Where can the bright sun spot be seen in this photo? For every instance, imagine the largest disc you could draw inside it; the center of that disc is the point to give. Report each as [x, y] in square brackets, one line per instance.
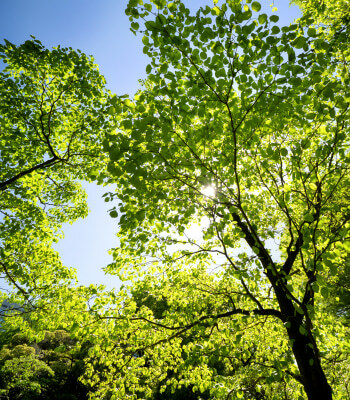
[208, 191]
[195, 230]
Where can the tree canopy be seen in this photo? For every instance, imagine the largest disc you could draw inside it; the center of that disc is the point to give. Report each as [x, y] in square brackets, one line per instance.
[53, 115]
[232, 172]
[241, 125]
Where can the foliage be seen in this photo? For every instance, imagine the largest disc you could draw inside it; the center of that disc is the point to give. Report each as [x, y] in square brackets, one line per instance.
[243, 129]
[53, 114]
[49, 369]
[232, 169]
[335, 15]
[339, 298]
[334, 18]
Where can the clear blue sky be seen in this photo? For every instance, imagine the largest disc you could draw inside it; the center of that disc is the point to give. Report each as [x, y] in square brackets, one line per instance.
[101, 29]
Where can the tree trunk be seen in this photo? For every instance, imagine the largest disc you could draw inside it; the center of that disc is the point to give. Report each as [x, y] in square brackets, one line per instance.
[313, 378]
[304, 349]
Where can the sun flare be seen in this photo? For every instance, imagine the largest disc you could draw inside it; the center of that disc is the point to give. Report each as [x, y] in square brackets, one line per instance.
[208, 191]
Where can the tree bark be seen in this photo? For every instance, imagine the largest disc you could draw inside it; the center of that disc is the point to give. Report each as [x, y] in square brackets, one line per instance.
[305, 351]
[303, 344]
[313, 377]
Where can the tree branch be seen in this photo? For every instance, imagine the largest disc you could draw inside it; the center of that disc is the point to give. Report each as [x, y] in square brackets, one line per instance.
[46, 164]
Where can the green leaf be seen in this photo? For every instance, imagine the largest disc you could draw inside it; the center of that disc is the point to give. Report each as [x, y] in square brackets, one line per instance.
[113, 214]
[324, 292]
[135, 26]
[312, 32]
[127, 124]
[302, 330]
[111, 111]
[328, 92]
[299, 42]
[275, 30]
[60, 349]
[308, 217]
[262, 18]
[256, 6]
[216, 10]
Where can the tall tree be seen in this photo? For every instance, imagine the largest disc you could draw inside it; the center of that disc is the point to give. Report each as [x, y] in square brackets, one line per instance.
[53, 115]
[242, 127]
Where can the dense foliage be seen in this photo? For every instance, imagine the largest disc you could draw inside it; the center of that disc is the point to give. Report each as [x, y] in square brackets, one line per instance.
[242, 128]
[232, 173]
[52, 121]
[332, 15]
[48, 369]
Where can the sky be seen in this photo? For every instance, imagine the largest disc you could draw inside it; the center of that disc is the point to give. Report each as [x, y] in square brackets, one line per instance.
[101, 29]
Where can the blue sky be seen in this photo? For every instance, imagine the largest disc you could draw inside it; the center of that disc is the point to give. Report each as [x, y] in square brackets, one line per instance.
[101, 29]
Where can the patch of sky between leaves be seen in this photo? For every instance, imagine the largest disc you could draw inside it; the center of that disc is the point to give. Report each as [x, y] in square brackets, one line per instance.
[87, 242]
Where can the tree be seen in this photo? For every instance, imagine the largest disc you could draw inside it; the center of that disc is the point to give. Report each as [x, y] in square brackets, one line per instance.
[53, 114]
[242, 127]
[49, 369]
